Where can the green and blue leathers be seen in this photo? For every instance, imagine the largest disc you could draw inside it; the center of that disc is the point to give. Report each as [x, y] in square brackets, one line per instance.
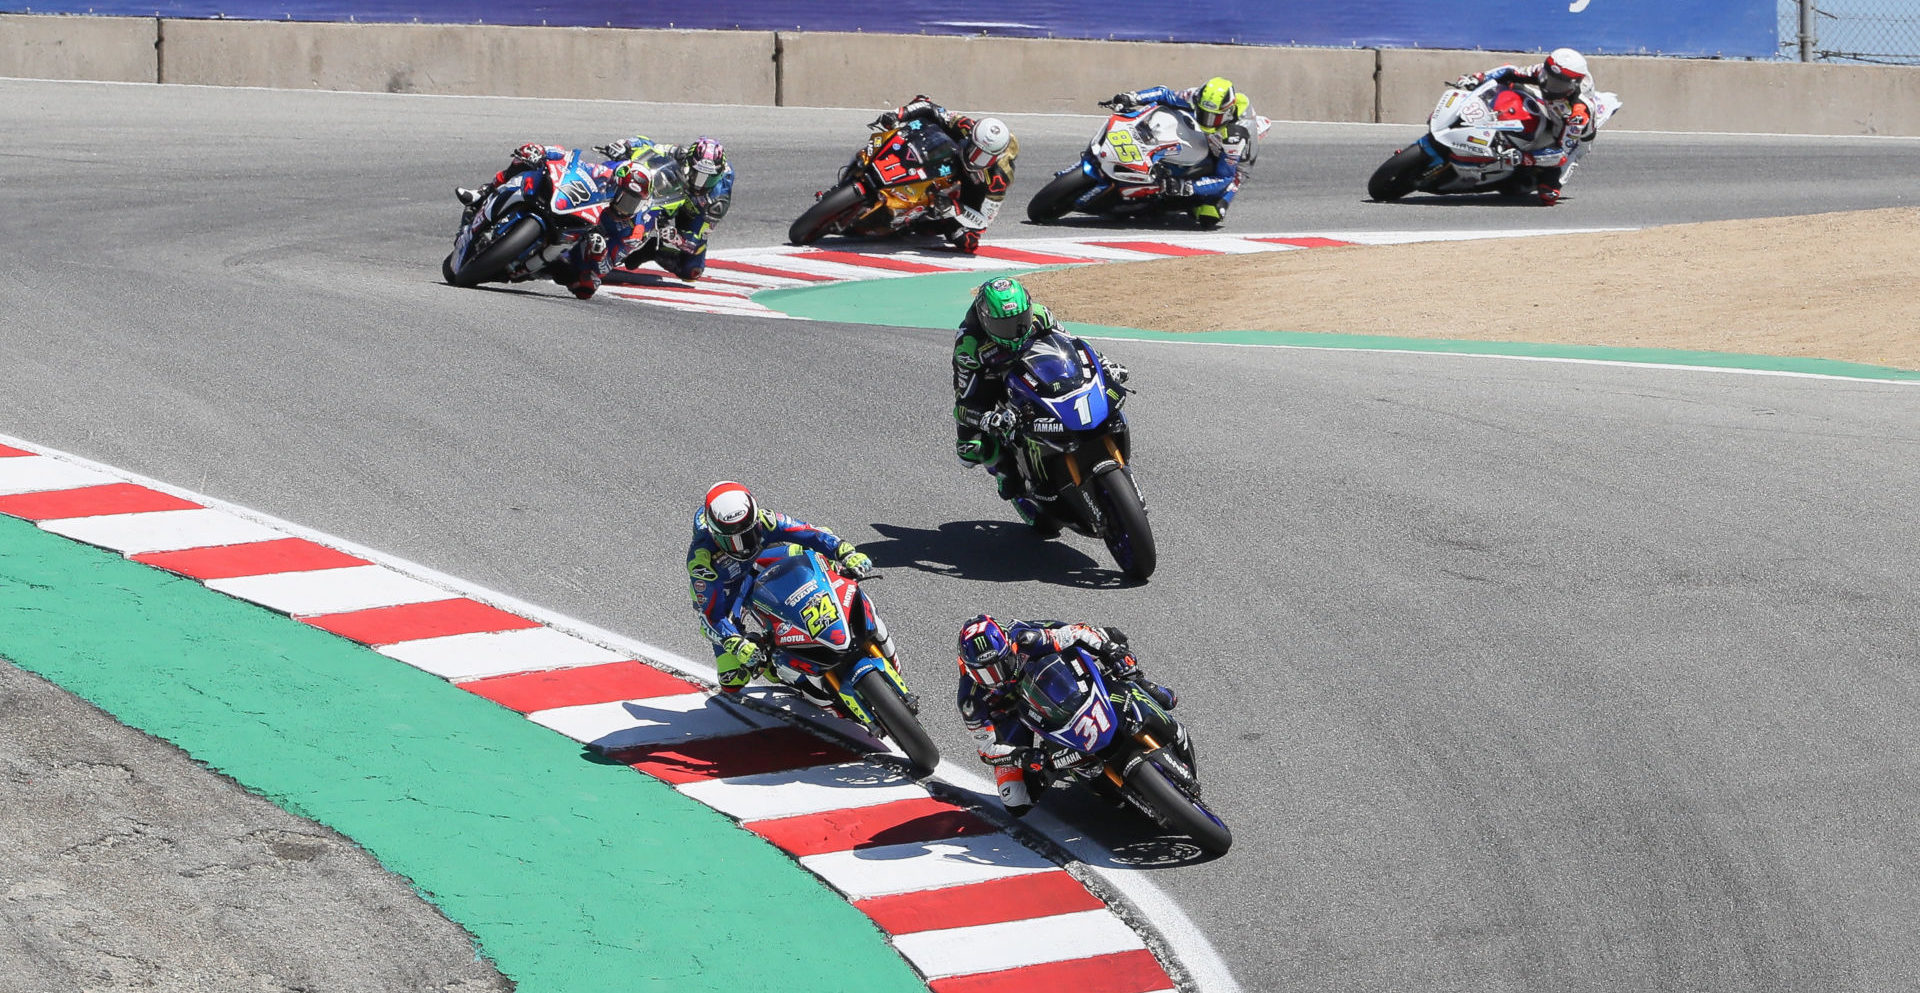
[683, 250]
[715, 580]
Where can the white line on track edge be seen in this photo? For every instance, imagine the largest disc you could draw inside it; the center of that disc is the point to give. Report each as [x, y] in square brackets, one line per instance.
[1193, 954]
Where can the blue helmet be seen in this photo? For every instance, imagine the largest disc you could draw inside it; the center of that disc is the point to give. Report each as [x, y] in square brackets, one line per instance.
[985, 653]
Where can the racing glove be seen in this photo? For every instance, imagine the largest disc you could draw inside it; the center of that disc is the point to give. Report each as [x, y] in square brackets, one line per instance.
[615, 149]
[530, 154]
[1176, 187]
[854, 563]
[1000, 421]
[1578, 123]
[1469, 81]
[886, 119]
[1116, 373]
[1119, 100]
[737, 662]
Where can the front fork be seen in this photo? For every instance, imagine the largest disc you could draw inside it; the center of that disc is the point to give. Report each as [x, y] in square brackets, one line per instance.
[851, 699]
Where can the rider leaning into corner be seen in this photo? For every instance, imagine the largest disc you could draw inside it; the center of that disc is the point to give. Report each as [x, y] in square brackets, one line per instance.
[681, 247]
[988, 148]
[728, 533]
[999, 326]
[992, 656]
[1555, 144]
[583, 267]
[1233, 131]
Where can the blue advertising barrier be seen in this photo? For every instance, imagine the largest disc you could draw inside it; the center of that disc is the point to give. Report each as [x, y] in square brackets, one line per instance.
[1732, 28]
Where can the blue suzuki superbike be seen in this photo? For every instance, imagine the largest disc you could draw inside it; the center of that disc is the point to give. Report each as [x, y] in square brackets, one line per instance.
[1114, 737]
[1073, 448]
[820, 634]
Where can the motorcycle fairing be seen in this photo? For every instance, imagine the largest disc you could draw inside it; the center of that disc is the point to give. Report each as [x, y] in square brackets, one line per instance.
[793, 594]
[1064, 698]
[1062, 379]
[577, 190]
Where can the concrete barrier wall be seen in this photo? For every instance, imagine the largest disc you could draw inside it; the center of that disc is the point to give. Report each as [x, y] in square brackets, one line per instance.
[1691, 94]
[731, 67]
[119, 49]
[1018, 74]
[875, 71]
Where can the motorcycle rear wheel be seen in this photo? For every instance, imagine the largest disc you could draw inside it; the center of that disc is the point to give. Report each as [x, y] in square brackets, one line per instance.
[492, 262]
[1057, 197]
[1129, 537]
[834, 209]
[877, 692]
[1183, 813]
[1399, 175]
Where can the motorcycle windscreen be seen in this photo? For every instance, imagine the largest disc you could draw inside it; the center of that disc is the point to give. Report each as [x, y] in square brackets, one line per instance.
[1053, 691]
[1056, 375]
[794, 591]
[668, 179]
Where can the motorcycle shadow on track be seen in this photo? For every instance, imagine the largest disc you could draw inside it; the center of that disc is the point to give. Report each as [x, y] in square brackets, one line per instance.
[1125, 842]
[990, 552]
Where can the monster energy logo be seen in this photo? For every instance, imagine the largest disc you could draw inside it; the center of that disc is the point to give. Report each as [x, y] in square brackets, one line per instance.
[981, 643]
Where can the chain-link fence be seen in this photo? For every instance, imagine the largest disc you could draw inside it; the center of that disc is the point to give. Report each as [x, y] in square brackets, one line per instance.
[1882, 31]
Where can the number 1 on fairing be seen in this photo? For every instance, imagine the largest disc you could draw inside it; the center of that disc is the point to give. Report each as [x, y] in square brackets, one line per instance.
[1080, 407]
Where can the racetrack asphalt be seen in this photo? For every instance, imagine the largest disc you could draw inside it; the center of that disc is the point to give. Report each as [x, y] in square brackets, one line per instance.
[1508, 675]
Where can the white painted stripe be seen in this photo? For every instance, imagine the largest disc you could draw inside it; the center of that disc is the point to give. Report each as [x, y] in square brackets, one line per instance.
[36, 473]
[496, 653]
[820, 267]
[653, 721]
[759, 281]
[804, 791]
[330, 591]
[162, 530]
[958, 261]
[1012, 944]
[925, 865]
[1100, 253]
[724, 294]
[1239, 246]
[708, 305]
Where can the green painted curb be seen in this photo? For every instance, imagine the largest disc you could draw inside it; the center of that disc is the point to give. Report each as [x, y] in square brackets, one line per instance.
[574, 876]
[939, 301]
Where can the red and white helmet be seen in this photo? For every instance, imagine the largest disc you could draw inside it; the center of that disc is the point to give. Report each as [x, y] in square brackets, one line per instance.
[987, 142]
[733, 519]
[1563, 72]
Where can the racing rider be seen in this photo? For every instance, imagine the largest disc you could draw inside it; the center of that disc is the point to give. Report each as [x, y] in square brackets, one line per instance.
[582, 268]
[1567, 87]
[681, 247]
[992, 657]
[1000, 324]
[1233, 130]
[728, 533]
[988, 148]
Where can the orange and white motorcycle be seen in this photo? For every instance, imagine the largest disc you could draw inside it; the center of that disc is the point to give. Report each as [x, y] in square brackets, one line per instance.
[894, 185]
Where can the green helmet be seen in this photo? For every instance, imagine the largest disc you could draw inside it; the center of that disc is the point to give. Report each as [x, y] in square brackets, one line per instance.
[1004, 311]
[1215, 106]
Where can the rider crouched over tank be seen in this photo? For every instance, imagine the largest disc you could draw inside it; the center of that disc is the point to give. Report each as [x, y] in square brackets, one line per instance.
[988, 150]
[681, 245]
[1233, 129]
[992, 657]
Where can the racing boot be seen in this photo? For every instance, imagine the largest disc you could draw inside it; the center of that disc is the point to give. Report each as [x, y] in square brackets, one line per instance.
[593, 257]
[1012, 783]
[470, 197]
[1162, 695]
[1549, 194]
[1209, 215]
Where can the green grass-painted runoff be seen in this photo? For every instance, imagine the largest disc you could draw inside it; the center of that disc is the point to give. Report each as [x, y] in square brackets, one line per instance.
[939, 301]
[574, 876]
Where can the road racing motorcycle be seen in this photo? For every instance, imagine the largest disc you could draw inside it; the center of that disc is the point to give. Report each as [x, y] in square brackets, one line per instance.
[1072, 445]
[529, 223]
[890, 187]
[1118, 740]
[667, 194]
[1470, 137]
[817, 629]
[1120, 172]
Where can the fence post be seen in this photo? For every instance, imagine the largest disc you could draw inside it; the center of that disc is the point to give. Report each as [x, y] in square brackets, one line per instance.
[1806, 30]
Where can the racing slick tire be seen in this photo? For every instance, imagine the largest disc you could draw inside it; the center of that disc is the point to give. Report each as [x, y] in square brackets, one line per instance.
[835, 208]
[1057, 197]
[1399, 175]
[492, 261]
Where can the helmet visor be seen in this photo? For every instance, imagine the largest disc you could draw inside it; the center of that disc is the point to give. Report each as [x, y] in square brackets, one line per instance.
[979, 158]
[744, 545]
[1011, 330]
[705, 177]
[991, 669]
[1213, 118]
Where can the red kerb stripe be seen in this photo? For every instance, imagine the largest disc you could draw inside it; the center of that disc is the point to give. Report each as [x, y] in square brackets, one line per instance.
[765, 271]
[407, 622]
[768, 750]
[91, 501]
[898, 823]
[527, 692]
[1155, 248]
[1022, 255]
[7, 452]
[874, 261]
[1018, 898]
[255, 558]
[1122, 972]
[1305, 242]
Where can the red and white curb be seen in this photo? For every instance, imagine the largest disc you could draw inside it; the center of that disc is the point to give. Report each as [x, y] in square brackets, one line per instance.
[966, 904]
[734, 275]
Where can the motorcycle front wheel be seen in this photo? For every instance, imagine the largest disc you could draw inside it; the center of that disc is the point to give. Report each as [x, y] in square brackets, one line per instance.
[1183, 814]
[890, 710]
[836, 208]
[1398, 176]
[1057, 197]
[1129, 537]
[492, 261]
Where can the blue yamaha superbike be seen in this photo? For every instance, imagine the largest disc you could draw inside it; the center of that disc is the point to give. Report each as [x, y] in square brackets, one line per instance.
[822, 636]
[1116, 738]
[1073, 448]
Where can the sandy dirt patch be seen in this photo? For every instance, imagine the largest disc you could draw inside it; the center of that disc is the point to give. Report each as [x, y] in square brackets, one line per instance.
[1840, 286]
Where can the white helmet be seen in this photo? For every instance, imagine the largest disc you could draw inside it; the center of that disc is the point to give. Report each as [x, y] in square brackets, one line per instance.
[987, 142]
[733, 519]
[1563, 72]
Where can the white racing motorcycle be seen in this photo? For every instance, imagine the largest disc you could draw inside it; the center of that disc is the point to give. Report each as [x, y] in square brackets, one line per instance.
[1120, 172]
[1474, 141]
